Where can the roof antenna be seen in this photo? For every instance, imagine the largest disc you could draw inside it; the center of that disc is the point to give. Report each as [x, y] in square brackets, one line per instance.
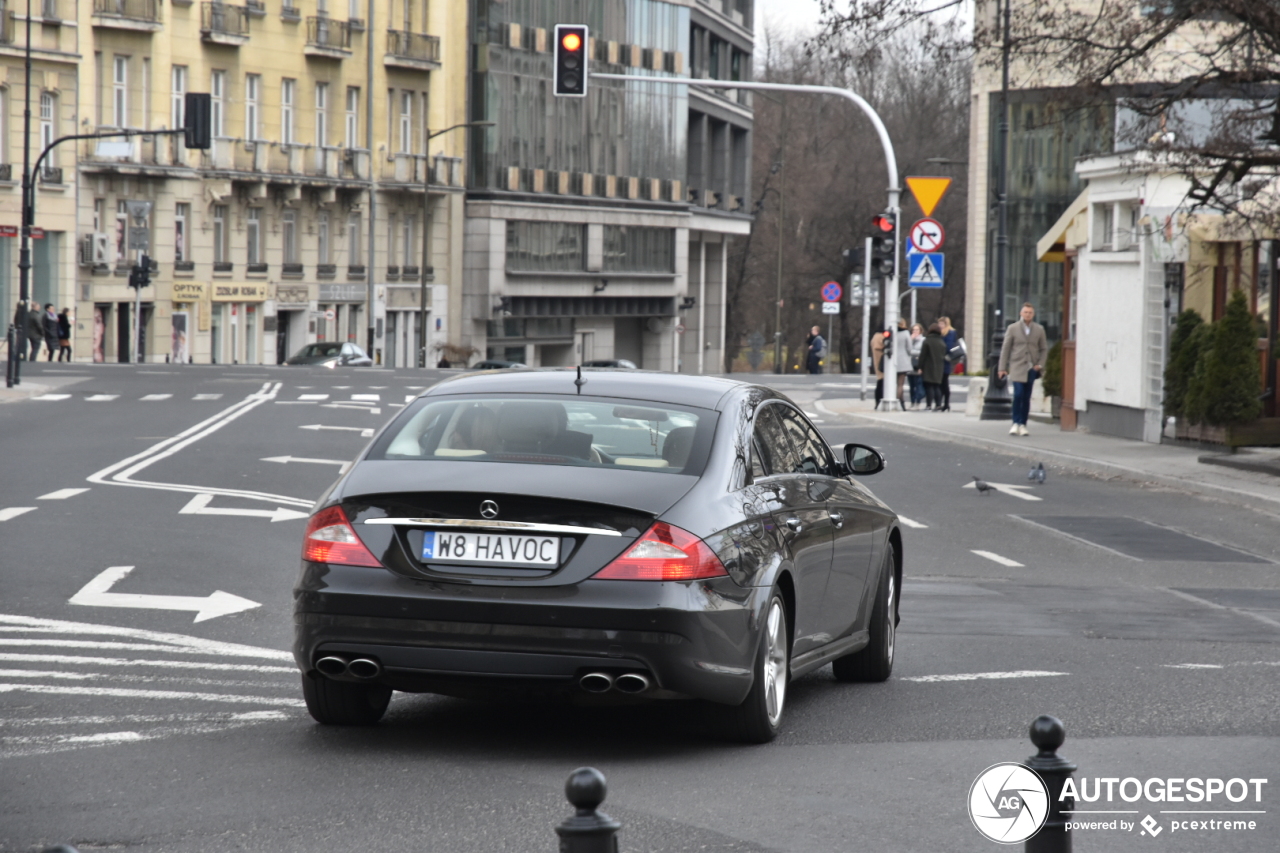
[579, 381]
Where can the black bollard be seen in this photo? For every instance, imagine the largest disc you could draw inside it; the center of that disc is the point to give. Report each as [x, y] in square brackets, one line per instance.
[1048, 734]
[588, 831]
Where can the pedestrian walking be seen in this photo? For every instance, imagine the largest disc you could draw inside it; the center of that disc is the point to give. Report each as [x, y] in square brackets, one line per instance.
[933, 367]
[877, 359]
[955, 353]
[35, 330]
[1022, 359]
[817, 349]
[913, 378]
[64, 335]
[902, 358]
[50, 321]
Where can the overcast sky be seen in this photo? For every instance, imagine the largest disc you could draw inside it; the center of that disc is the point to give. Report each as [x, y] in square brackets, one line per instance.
[798, 17]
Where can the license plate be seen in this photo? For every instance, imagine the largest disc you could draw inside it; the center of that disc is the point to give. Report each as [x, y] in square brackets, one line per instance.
[491, 548]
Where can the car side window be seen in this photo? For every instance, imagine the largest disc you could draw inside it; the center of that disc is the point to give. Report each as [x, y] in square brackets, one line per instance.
[776, 453]
[815, 456]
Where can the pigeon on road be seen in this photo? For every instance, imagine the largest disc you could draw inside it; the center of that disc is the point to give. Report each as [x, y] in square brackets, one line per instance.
[982, 486]
[1038, 474]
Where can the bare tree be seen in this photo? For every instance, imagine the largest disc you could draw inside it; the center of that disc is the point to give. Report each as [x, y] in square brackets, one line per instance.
[820, 178]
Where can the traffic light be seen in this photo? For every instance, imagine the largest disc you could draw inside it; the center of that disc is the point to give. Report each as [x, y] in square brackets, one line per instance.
[852, 258]
[883, 245]
[888, 343]
[571, 61]
[140, 275]
[197, 119]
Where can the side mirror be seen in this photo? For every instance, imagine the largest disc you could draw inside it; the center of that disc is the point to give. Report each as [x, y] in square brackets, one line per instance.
[860, 459]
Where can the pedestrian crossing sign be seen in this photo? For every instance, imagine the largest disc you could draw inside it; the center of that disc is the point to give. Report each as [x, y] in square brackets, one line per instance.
[925, 270]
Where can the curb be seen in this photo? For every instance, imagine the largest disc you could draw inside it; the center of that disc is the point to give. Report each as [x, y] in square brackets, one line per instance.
[1070, 460]
[24, 391]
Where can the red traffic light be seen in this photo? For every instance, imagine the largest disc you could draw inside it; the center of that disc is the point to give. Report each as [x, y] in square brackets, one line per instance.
[883, 221]
[571, 42]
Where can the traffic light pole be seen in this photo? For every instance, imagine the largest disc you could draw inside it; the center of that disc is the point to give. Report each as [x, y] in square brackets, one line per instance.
[997, 405]
[866, 314]
[891, 308]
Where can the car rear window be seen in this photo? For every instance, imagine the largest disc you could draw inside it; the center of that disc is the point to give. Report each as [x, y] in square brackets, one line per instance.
[577, 431]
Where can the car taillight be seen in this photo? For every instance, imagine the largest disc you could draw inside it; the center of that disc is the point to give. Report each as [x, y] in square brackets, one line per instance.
[331, 539]
[665, 553]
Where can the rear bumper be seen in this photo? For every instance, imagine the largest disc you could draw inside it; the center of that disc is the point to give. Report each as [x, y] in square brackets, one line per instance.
[695, 639]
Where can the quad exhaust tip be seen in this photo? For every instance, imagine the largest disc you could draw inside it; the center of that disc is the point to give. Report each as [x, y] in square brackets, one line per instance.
[596, 682]
[631, 682]
[364, 668]
[332, 665]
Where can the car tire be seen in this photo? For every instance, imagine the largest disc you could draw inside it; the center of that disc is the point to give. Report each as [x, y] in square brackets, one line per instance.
[342, 703]
[759, 718]
[874, 662]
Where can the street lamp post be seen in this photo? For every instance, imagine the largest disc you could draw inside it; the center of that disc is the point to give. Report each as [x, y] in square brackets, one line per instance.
[13, 375]
[997, 405]
[426, 242]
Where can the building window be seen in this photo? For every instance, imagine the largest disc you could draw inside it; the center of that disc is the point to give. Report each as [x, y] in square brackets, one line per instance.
[407, 240]
[220, 234]
[628, 248]
[287, 87]
[181, 216]
[99, 214]
[355, 255]
[406, 122]
[178, 87]
[122, 229]
[48, 121]
[353, 10]
[253, 236]
[252, 86]
[545, 246]
[4, 125]
[120, 92]
[322, 114]
[391, 240]
[353, 117]
[322, 237]
[289, 234]
[217, 91]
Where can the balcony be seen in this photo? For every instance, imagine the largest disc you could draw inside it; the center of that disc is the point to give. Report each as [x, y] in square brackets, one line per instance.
[222, 266]
[255, 268]
[49, 13]
[326, 270]
[410, 169]
[137, 15]
[223, 24]
[328, 38]
[412, 50]
[51, 175]
[291, 269]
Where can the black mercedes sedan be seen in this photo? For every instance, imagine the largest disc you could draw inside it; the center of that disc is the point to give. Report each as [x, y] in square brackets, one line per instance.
[596, 535]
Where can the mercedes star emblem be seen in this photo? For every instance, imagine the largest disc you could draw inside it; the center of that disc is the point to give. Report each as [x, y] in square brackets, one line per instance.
[489, 509]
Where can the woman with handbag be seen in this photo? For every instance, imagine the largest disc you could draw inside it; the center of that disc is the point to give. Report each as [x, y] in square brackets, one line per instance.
[933, 367]
[913, 378]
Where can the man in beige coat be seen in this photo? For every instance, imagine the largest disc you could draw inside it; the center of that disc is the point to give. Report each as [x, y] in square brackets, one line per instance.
[1022, 358]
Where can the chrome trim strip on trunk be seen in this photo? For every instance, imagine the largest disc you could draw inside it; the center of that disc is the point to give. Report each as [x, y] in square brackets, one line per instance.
[483, 524]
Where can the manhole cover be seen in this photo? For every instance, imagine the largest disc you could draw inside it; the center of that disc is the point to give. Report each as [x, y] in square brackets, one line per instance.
[1142, 540]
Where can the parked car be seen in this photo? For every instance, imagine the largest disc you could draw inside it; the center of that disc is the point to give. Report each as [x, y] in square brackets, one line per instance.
[331, 354]
[621, 363]
[495, 364]
[627, 535]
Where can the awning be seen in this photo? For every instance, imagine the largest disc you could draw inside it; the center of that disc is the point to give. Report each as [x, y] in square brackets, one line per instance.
[1052, 247]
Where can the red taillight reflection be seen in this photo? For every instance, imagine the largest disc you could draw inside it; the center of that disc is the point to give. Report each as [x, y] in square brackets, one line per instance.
[665, 553]
[330, 538]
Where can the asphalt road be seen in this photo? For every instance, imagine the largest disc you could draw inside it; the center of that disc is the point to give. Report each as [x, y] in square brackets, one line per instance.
[1146, 619]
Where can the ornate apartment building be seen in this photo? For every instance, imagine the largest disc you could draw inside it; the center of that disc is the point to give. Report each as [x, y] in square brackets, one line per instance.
[330, 200]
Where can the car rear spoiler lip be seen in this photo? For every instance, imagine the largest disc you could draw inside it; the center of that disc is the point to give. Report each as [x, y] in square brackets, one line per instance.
[483, 524]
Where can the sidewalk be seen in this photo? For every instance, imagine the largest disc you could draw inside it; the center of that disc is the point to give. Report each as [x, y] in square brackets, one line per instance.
[1106, 456]
[27, 388]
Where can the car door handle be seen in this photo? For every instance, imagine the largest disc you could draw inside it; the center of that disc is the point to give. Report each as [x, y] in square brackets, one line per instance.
[794, 524]
[837, 519]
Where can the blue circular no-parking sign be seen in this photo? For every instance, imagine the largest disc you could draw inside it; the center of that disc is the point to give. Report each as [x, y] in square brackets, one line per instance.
[831, 291]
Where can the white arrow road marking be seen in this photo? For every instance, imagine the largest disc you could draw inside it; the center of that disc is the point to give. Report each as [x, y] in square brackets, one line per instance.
[199, 505]
[61, 494]
[981, 676]
[1007, 489]
[151, 397]
[284, 460]
[364, 433]
[370, 397]
[1004, 561]
[909, 523]
[52, 397]
[14, 512]
[97, 593]
[100, 398]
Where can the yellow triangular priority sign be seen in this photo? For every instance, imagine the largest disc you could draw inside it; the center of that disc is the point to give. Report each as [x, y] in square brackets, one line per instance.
[928, 192]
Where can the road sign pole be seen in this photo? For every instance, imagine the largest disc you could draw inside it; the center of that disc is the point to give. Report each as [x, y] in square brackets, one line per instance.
[866, 313]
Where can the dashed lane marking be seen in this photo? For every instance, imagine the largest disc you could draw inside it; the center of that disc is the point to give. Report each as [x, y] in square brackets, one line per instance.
[313, 397]
[373, 398]
[909, 523]
[996, 558]
[53, 397]
[100, 398]
[409, 398]
[982, 676]
[61, 494]
[13, 512]
[153, 397]
[207, 397]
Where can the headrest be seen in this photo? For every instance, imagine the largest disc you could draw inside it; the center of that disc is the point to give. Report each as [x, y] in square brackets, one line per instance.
[529, 422]
[677, 446]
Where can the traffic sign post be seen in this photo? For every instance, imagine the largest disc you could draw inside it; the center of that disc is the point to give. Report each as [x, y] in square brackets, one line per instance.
[831, 308]
[928, 192]
[928, 235]
[925, 270]
[831, 291]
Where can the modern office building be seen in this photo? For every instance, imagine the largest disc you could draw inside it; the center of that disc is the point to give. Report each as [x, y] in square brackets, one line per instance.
[329, 206]
[598, 227]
